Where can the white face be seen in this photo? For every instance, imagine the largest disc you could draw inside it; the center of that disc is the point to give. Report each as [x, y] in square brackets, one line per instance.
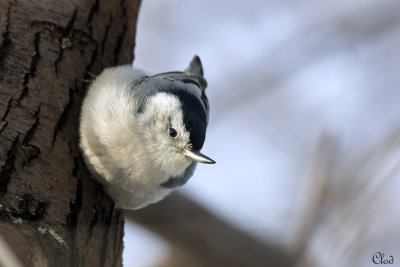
[165, 134]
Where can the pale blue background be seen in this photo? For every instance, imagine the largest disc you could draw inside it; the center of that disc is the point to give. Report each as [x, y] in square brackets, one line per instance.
[279, 73]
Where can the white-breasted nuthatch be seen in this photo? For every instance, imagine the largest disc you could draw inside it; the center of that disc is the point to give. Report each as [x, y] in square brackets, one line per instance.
[141, 133]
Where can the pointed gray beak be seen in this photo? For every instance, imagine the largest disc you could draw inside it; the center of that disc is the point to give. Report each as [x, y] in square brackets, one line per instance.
[197, 156]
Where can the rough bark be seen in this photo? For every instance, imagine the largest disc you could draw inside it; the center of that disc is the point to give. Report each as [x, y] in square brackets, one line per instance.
[51, 212]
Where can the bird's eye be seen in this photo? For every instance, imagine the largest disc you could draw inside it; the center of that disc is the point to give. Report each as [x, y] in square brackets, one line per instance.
[172, 132]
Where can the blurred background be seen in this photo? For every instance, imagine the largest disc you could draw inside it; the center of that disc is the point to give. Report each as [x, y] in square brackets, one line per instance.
[304, 128]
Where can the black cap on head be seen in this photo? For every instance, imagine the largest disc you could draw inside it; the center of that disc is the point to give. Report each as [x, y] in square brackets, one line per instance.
[194, 117]
[194, 108]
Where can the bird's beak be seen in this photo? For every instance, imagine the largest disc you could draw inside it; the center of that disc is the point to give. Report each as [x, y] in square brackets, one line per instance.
[197, 156]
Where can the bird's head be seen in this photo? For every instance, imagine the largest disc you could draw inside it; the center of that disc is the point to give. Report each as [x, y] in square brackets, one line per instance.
[173, 130]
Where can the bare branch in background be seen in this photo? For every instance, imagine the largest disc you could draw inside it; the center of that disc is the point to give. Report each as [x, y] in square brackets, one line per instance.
[339, 224]
[331, 65]
[312, 194]
[206, 238]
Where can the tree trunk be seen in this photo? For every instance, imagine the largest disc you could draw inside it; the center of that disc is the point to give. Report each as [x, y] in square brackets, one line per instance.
[51, 212]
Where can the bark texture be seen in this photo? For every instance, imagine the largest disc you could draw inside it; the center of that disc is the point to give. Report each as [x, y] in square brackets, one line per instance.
[51, 212]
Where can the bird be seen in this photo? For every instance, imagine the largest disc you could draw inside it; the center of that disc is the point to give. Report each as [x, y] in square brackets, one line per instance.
[141, 133]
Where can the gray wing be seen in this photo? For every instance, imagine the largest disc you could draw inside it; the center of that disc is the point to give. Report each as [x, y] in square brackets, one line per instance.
[191, 80]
